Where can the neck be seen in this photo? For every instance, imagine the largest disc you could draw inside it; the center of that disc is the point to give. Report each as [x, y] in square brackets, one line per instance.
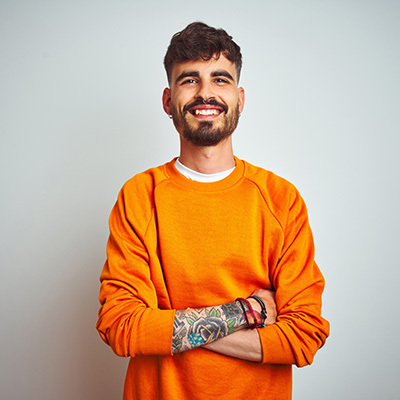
[207, 160]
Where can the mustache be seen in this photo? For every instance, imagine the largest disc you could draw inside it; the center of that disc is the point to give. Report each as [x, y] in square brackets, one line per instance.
[210, 102]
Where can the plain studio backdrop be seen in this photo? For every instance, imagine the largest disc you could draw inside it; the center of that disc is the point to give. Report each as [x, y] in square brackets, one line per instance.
[80, 113]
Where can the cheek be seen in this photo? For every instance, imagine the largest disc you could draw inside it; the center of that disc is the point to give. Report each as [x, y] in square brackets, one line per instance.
[181, 97]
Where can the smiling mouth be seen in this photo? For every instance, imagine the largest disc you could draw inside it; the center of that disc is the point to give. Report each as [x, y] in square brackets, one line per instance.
[201, 109]
[205, 111]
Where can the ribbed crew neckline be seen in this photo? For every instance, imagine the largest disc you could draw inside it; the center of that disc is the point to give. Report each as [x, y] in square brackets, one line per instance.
[223, 184]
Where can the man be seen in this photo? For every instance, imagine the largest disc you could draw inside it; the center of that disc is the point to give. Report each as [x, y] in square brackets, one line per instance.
[191, 240]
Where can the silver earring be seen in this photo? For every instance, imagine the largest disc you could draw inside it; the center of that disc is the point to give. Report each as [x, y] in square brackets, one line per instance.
[170, 116]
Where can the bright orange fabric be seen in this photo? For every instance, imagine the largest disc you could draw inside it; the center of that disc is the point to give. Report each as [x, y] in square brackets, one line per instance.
[176, 243]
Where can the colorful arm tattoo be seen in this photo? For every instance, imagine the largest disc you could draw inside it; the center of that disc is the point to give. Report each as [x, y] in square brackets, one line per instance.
[197, 327]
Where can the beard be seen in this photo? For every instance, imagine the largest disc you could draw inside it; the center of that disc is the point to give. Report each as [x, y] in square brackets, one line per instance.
[206, 134]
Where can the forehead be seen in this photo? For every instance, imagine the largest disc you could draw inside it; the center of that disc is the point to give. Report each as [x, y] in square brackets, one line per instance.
[204, 68]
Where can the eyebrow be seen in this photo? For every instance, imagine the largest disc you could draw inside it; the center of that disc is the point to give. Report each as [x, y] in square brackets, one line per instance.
[183, 75]
[226, 74]
[196, 74]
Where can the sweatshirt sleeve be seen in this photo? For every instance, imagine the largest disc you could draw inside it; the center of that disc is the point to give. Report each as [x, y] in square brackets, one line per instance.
[129, 318]
[300, 329]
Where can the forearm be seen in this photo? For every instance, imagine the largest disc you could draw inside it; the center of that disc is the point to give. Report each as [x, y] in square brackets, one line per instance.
[244, 344]
[198, 327]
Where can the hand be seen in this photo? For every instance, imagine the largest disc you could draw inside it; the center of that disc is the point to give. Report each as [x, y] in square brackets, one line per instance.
[268, 297]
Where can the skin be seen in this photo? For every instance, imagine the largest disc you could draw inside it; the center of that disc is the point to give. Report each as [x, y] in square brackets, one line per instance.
[204, 80]
[198, 327]
[245, 344]
[192, 84]
[222, 328]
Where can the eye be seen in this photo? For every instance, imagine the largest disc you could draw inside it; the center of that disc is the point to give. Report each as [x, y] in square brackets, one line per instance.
[221, 80]
[188, 81]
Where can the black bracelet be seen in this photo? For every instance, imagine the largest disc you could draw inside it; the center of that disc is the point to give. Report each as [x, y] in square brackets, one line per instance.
[263, 310]
[244, 311]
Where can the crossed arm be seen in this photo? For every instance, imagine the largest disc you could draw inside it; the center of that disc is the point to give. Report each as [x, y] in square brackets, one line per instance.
[222, 328]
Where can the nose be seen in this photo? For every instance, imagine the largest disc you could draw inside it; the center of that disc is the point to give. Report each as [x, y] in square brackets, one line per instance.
[205, 91]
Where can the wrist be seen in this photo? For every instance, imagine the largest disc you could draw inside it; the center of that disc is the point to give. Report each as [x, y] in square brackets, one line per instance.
[263, 311]
[254, 303]
[253, 318]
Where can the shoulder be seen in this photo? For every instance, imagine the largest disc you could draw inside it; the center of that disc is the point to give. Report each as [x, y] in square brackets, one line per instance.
[268, 182]
[144, 183]
[136, 197]
[277, 192]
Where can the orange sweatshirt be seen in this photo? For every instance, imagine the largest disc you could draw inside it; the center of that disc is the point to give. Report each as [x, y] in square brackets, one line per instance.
[176, 243]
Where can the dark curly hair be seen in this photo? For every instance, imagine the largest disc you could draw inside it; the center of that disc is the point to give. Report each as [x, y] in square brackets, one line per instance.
[200, 41]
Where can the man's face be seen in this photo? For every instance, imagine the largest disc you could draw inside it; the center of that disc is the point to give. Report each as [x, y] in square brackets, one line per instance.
[204, 100]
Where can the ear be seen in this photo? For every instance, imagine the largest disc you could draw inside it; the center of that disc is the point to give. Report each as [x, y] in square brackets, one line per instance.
[241, 99]
[166, 100]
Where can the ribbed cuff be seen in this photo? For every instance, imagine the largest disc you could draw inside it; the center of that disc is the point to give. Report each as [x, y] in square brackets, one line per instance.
[276, 348]
[154, 333]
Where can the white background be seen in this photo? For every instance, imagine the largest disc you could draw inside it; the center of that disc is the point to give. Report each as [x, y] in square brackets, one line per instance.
[80, 113]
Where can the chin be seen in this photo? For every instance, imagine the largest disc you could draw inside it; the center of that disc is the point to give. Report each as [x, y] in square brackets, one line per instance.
[205, 135]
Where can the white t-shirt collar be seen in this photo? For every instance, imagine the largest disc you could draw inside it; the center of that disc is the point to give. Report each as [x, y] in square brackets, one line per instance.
[198, 176]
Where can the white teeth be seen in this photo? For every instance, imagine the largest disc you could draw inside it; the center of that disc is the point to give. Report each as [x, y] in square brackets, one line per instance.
[207, 112]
